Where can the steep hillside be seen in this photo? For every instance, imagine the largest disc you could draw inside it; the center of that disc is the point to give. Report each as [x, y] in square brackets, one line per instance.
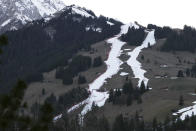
[47, 43]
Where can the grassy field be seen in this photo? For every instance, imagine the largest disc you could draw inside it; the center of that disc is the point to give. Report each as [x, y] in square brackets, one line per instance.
[164, 96]
[52, 85]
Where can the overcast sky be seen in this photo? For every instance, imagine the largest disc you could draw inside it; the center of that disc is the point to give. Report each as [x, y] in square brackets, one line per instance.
[174, 13]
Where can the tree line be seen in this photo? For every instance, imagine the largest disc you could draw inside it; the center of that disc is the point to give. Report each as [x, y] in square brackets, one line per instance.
[134, 37]
[176, 40]
[128, 94]
[78, 64]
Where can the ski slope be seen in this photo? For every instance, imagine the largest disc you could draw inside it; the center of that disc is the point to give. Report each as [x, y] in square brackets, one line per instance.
[113, 66]
[135, 64]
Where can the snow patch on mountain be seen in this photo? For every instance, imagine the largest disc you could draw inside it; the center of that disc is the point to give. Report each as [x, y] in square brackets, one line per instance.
[110, 23]
[188, 111]
[94, 29]
[47, 7]
[81, 11]
[6, 22]
[15, 13]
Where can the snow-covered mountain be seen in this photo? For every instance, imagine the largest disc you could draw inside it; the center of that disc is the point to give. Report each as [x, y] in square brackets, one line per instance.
[15, 13]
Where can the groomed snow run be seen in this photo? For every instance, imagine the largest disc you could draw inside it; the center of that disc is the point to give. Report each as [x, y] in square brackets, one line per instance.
[113, 66]
[188, 111]
[135, 64]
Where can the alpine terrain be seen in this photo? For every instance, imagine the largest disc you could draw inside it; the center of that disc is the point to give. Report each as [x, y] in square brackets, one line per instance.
[65, 69]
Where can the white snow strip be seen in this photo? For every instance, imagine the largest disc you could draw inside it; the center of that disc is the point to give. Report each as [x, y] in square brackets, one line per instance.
[163, 66]
[57, 117]
[188, 111]
[124, 74]
[193, 94]
[110, 23]
[113, 66]
[77, 106]
[81, 12]
[127, 49]
[5, 22]
[135, 64]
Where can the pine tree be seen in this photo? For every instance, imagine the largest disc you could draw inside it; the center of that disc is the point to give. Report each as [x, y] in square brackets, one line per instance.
[142, 87]
[149, 46]
[97, 61]
[128, 88]
[118, 124]
[188, 72]
[129, 100]
[180, 73]
[43, 91]
[103, 124]
[111, 95]
[81, 79]
[3, 42]
[181, 101]
[142, 57]
[139, 100]
[154, 124]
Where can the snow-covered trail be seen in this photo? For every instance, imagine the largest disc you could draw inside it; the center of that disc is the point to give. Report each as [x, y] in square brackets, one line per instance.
[135, 64]
[113, 66]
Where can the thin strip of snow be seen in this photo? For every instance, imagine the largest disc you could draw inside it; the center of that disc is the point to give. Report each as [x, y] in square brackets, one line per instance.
[135, 64]
[123, 73]
[5, 22]
[193, 94]
[127, 49]
[57, 117]
[76, 106]
[110, 23]
[81, 11]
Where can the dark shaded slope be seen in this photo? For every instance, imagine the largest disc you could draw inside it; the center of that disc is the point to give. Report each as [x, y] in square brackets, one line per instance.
[42, 46]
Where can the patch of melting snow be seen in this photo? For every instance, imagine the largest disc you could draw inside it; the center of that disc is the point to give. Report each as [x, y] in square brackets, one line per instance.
[193, 94]
[135, 64]
[188, 111]
[81, 12]
[110, 23]
[5, 22]
[124, 74]
[163, 66]
[127, 49]
[57, 117]
[173, 78]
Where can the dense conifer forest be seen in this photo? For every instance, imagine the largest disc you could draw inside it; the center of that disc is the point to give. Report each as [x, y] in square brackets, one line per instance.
[134, 37]
[42, 46]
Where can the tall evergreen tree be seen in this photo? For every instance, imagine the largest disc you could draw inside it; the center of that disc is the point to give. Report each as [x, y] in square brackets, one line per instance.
[181, 101]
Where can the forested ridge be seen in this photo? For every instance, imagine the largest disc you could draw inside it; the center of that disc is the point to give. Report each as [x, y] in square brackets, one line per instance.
[176, 40]
[42, 46]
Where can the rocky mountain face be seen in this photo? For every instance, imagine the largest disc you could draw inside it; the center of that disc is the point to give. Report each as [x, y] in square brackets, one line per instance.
[15, 13]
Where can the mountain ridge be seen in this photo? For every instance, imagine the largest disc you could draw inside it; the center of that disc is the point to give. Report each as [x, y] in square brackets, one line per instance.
[14, 14]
